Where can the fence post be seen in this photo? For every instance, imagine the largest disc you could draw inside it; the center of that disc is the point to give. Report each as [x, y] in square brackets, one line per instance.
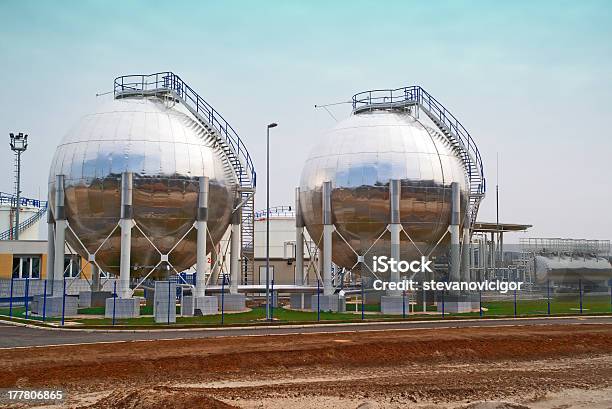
[548, 295]
[11, 298]
[514, 294]
[363, 299]
[404, 304]
[25, 296]
[114, 300]
[318, 300]
[580, 290]
[64, 302]
[443, 291]
[45, 302]
[480, 302]
[272, 302]
[169, 302]
[222, 299]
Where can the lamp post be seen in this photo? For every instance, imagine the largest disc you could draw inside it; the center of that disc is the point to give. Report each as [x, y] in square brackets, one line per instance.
[19, 143]
[272, 125]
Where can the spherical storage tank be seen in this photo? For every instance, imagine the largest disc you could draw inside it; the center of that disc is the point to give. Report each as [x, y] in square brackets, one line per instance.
[359, 156]
[167, 150]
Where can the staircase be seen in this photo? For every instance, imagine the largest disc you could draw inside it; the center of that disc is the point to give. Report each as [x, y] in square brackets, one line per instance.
[30, 221]
[415, 96]
[237, 157]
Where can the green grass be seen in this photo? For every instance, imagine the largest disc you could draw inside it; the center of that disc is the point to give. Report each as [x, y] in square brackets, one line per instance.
[560, 305]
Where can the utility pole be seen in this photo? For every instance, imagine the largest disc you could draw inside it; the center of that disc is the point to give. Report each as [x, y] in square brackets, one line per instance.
[19, 144]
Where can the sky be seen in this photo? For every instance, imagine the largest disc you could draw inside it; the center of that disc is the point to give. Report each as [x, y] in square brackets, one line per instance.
[531, 81]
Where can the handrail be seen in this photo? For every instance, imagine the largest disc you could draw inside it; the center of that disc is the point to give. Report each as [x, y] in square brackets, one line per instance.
[11, 199]
[276, 211]
[415, 94]
[162, 81]
[5, 235]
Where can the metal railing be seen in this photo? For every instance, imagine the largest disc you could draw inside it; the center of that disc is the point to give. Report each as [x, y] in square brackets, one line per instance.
[11, 200]
[10, 233]
[276, 211]
[129, 85]
[443, 118]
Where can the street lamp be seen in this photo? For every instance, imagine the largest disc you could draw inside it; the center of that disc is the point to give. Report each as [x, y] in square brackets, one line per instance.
[272, 125]
[19, 143]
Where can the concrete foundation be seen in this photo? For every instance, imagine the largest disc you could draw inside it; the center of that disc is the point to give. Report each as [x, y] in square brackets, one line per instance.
[187, 306]
[206, 305]
[232, 302]
[54, 306]
[394, 305]
[164, 305]
[88, 299]
[124, 307]
[333, 303]
[300, 301]
[456, 303]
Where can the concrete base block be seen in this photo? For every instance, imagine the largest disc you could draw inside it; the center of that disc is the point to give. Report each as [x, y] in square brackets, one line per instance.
[232, 302]
[457, 303]
[300, 301]
[88, 299]
[394, 305]
[164, 305]
[206, 305]
[333, 303]
[54, 306]
[187, 306]
[123, 307]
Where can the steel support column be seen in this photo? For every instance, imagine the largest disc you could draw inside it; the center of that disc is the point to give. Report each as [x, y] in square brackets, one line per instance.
[299, 240]
[201, 226]
[125, 223]
[235, 248]
[395, 228]
[328, 229]
[60, 236]
[455, 258]
[50, 247]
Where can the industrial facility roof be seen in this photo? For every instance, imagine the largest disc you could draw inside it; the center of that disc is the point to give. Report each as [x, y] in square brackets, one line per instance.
[486, 227]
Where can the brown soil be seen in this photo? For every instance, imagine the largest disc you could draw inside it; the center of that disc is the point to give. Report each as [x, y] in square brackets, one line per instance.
[513, 366]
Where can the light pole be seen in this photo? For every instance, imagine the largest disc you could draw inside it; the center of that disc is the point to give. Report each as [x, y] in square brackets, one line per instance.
[272, 125]
[19, 143]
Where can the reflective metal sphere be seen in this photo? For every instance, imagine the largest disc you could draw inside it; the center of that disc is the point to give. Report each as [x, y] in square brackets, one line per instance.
[167, 150]
[360, 155]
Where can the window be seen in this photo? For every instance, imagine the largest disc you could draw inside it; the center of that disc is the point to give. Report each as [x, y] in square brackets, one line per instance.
[262, 274]
[26, 266]
[72, 265]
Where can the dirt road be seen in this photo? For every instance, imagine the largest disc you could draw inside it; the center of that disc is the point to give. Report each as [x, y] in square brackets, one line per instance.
[534, 367]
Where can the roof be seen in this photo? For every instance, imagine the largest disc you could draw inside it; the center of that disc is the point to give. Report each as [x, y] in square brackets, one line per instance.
[485, 227]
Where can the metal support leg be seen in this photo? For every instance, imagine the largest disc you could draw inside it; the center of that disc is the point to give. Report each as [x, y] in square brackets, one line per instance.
[395, 228]
[125, 223]
[60, 236]
[95, 278]
[299, 240]
[465, 255]
[50, 249]
[454, 233]
[201, 225]
[328, 229]
[235, 252]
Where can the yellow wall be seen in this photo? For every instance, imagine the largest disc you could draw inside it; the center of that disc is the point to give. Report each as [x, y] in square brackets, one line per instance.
[43, 267]
[6, 265]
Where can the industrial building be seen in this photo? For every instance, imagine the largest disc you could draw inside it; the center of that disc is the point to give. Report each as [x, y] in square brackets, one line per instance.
[156, 189]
